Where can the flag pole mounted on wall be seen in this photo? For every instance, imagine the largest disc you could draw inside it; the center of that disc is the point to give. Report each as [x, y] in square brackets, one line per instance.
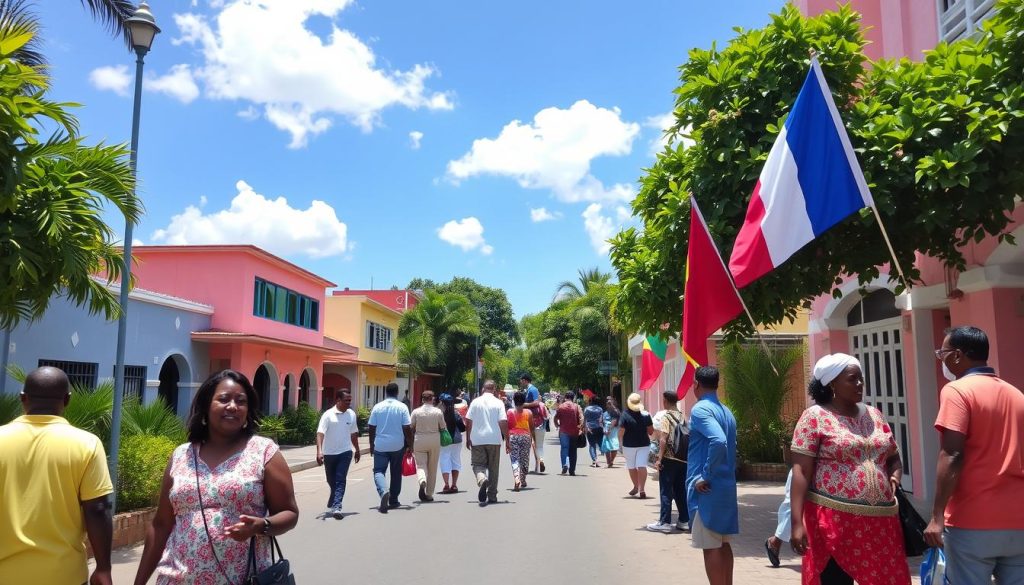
[811, 181]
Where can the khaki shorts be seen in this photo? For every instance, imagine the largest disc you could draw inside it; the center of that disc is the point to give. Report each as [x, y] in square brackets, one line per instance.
[703, 537]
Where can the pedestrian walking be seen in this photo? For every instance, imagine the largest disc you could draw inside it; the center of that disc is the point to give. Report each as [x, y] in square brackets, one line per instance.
[773, 546]
[520, 438]
[337, 444]
[610, 442]
[711, 478]
[569, 421]
[846, 468]
[486, 430]
[55, 490]
[451, 455]
[593, 421]
[539, 414]
[635, 430]
[427, 424]
[223, 487]
[671, 465]
[977, 517]
[390, 429]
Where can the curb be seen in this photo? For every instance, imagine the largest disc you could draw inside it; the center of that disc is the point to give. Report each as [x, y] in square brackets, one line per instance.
[304, 465]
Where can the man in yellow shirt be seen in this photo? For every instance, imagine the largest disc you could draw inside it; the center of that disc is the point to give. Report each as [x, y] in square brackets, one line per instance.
[54, 486]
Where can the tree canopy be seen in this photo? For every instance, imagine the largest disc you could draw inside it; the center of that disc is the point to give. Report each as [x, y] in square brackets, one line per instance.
[434, 330]
[939, 142]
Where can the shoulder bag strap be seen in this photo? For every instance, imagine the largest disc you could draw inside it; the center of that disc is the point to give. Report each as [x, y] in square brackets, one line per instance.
[202, 512]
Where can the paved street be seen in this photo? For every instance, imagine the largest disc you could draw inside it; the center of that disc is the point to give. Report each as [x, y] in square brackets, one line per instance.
[581, 528]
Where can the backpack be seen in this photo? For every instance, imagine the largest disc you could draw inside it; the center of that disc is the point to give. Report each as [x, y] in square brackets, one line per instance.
[679, 439]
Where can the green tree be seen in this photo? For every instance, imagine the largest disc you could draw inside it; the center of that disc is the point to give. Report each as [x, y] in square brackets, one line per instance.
[435, 329]
[589, 279]
[53, 191]
[939, 142]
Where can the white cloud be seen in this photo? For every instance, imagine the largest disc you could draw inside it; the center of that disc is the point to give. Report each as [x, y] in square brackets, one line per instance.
[178, 83]
[414, 139]
[554, 152]
[262, 52]
[467, 233]
[661, 123]
[250, 113]
[111, 78]
[271, 224]
[542, 214]
[601, 227]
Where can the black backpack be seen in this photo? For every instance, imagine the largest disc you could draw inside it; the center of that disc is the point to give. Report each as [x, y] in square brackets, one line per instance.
[679, 440]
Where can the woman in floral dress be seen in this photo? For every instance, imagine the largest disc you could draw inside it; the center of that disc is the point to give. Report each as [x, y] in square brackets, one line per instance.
[246, 491]
[846, 468]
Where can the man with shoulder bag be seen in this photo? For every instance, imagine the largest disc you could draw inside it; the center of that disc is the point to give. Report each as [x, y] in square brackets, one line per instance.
[673, 442]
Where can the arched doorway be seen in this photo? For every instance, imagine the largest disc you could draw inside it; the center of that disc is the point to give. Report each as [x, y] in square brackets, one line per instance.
[286, 393]
[174, 375]
[307, 385]
[265, 384]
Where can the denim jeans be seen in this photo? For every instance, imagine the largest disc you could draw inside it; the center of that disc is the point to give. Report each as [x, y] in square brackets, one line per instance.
[974, 556]
[336, 467]
[381, 463]
[672, 486]
[594, 438]
[568, 445]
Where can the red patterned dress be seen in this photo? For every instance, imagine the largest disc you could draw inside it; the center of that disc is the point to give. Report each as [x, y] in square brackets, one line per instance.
[850, 513]
[233, 488]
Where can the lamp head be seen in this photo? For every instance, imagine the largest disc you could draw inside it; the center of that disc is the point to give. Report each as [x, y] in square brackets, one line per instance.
[142, 28]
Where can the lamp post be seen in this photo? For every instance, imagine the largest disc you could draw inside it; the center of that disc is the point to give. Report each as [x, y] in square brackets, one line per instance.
[143, 29]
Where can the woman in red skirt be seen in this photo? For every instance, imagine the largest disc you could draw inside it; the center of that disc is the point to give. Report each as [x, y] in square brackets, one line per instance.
[846, 467]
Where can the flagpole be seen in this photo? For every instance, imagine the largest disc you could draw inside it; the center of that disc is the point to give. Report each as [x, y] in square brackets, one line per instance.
[892, 252]
[764, 345]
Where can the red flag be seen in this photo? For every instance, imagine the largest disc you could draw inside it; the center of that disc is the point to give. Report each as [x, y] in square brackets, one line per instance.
[709, 299]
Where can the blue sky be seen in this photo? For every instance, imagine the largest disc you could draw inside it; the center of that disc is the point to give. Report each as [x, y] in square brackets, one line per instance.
[389, 140]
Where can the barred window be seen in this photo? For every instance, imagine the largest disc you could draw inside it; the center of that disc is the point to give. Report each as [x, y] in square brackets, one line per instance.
[81, 374]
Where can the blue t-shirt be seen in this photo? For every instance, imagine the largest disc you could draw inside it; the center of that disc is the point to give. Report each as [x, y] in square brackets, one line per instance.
[532, 393]
[388, 418]
[712, 457]
[593, 416]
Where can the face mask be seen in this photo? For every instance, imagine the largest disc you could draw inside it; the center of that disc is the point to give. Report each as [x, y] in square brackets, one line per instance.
[949, 375]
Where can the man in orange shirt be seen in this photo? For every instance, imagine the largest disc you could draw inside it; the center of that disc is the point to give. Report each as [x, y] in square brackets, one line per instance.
[977, 515]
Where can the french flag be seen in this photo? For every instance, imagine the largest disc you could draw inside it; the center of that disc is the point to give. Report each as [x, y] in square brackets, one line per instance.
[810, 182]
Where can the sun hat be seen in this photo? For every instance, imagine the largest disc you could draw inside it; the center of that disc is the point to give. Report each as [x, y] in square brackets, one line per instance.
[509, 388]
[635, 402]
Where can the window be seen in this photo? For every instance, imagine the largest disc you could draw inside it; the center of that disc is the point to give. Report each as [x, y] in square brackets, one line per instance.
[287, 306]
[81, 374]
[134, 381]
[962, 18]
[378, 336]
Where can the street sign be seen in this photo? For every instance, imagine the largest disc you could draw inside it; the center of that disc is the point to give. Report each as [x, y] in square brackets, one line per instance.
[606, 367]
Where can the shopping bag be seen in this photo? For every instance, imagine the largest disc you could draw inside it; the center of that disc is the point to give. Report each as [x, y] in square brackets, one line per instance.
[408, 465]
[933, 569]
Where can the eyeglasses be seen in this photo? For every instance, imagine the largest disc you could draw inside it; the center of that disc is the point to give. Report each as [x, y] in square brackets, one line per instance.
[941, 352]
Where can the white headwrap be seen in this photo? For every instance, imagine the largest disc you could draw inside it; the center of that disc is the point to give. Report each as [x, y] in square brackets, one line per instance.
[829, 367]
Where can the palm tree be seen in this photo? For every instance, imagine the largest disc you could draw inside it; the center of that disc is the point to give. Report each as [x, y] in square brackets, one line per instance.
[430, 329]
[112, 14]
[53, 191]
[589, 279]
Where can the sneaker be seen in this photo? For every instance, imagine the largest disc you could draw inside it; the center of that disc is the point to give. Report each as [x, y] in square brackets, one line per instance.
[542, 466]
[384, 498]
[423, 492]
[565, 470]
[336, 514]
[660, 527]
[395, 504]
[492, 500]
[329, 512]
[481, 495]
[683, 526]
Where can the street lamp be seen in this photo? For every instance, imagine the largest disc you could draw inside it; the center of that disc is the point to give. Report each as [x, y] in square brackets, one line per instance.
[142, 29]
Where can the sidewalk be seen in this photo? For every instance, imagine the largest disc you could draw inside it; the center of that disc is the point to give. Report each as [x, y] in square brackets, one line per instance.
[303, 458]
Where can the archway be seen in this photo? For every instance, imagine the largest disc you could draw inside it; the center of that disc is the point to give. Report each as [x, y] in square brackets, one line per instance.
[265, 384]
[174, 375]
[307, 385]
[286, 393]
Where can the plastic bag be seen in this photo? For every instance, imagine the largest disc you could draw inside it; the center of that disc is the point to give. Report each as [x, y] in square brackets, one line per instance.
[933, 568]
[408, 465]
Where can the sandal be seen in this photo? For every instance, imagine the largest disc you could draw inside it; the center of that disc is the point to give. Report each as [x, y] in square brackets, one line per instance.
[516, 487]
[643, 495]
[633, 491]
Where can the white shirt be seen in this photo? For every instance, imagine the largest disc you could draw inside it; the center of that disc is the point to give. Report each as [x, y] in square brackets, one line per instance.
[337, 428]
[485, 412]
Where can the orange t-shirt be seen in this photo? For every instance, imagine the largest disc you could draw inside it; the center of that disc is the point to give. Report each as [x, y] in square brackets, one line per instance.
[990, 412]
[519, 424]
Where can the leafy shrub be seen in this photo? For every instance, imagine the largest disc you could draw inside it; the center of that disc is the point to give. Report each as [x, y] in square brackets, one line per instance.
[301, 425]
[141, 467]
[273, 426]
[362, 418]
[10, 408]
[91, 409]
[155, 419]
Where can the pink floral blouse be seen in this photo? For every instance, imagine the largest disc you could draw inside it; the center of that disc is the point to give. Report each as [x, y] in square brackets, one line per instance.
[233, 488]
[850, 472]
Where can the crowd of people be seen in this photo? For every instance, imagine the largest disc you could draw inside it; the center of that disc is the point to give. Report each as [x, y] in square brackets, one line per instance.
[227, 492]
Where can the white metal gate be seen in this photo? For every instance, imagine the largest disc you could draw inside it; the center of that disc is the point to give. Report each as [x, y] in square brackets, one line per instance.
[879, 347]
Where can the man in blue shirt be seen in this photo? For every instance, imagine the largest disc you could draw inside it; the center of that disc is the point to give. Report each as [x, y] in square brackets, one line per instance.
[536, 407]
[711, 478]
[390, 429]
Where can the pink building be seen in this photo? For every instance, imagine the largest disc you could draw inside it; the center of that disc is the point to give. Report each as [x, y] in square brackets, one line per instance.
[268, 315]
[895, 336]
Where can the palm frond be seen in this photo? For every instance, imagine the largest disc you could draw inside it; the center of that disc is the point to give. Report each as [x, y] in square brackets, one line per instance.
[18, 21]
[111, 13]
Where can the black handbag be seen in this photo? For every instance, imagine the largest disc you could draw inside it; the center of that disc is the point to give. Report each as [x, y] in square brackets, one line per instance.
[913, 525]
[581, 441]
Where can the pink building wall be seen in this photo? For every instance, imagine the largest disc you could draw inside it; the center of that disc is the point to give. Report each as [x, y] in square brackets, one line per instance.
[895, 28]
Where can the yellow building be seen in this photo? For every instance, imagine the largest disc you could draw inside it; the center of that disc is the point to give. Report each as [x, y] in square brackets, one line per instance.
[368, 321]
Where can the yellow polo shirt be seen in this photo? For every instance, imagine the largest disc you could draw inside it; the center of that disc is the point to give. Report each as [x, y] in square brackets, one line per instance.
[47, 468]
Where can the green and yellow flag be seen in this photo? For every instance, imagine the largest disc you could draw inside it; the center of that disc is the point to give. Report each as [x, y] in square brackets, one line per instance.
[652, 361]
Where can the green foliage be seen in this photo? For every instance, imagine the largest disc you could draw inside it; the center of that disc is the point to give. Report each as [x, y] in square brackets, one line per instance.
[939, 142]
[91, 409]
[362, 418]
[756, 384]
[273, 426]
[10, 408]
[155, 419]
[301, 425]
[141, 465]
[54, 190]
[437, 334]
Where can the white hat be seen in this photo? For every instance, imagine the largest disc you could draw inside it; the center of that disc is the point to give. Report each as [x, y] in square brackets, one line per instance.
[635, 402]
[829, 367]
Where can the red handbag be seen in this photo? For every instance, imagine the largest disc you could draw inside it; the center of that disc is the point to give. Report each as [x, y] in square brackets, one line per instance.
[408, 465]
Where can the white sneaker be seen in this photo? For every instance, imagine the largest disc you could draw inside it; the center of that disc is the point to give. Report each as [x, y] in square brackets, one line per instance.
[683, 526]
[659, 527]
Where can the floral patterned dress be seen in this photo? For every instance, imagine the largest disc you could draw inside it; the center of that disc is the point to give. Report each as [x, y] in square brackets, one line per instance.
[850, 513]
[233, 488]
